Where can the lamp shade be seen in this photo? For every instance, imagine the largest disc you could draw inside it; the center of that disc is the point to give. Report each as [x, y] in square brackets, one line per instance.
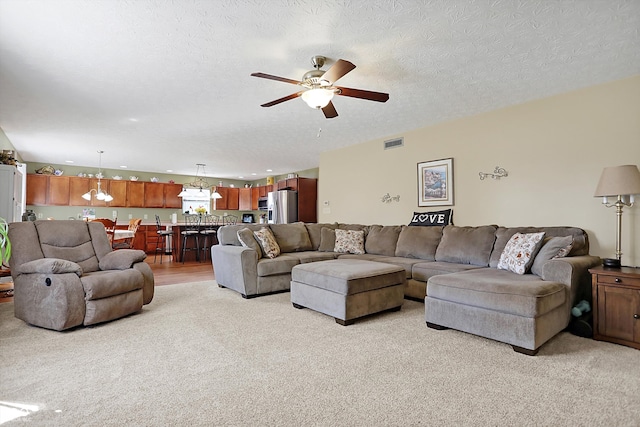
[317, 98]
[619, 181]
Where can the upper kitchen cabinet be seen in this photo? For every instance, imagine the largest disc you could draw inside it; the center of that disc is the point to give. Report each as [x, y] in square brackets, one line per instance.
[153, 195]
[43, 190]
[37, 189]
[118, 190]
[171, 199]
[135, 194]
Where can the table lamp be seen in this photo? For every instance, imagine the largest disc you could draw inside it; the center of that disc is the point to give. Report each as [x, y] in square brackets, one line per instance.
[622, 183]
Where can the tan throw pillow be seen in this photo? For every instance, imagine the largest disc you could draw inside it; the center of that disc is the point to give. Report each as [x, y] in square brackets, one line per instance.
[267, 242]
[553, 247]
[248, 240]
[327, 240]
[349, 242]
[520, 251]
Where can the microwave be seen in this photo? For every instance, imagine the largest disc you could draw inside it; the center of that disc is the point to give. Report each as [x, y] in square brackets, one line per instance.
[262, 204]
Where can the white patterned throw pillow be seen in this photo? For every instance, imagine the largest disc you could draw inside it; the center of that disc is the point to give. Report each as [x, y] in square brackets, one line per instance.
[349, 242]
[267, 242]
[520, 251]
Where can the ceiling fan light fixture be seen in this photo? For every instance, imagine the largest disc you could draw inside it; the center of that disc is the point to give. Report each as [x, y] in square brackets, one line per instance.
[317, 98]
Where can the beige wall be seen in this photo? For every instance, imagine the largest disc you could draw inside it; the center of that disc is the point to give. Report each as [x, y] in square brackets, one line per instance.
[554, 150]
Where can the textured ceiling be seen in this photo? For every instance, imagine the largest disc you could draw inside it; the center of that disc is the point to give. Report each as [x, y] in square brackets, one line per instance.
[166, 84]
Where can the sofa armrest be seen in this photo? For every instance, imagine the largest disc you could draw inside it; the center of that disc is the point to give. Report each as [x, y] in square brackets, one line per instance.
[573, 272]
[236, 267]
[122, 259]
[50, 266]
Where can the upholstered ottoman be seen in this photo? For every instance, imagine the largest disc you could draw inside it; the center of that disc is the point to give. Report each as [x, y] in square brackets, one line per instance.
[347, 289]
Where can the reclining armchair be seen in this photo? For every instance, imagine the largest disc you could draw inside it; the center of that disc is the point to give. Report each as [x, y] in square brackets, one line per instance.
[66, 274]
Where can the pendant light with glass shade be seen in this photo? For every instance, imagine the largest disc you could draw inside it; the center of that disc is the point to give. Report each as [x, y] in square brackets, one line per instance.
[100, 195]
[199, 182]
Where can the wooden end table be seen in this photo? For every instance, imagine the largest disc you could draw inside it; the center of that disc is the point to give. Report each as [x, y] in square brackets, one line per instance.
[616, 305]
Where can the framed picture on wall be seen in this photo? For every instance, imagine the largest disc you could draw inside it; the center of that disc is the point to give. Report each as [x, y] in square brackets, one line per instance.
[435, 183]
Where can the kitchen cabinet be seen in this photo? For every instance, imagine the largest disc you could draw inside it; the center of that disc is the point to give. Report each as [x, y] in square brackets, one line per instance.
[58, 191]
[171, 199]
[234, 199]
[244, 202]
[255, 195]
[230, 199]
[118, 190]
[44, 190]
[37, 188]
[153, 195]
[78, 187]
[616, 305]
[135, 194]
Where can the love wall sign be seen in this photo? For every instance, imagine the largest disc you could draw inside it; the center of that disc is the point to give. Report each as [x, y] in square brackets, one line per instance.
[432, 218]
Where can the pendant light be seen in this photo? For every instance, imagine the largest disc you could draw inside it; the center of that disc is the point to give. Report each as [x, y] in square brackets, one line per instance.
[200, 182]
[100, 195]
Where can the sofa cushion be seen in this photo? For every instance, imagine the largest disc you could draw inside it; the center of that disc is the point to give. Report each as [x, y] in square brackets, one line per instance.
[67, 240]
[422, 271]
[349, 241]
[466, 245]
[280, 265]
[312, 256]
[248, 240]
[520, 251]
[503, 234]
[382, 240]
[267, 242]
[315, 231]
[228, 234]
[103, 284]
[500, 290]
[291, 237]
[328, 241]
[418, 242]
[554, 247]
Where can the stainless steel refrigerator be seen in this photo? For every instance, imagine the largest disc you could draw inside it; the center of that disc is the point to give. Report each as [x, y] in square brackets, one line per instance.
[282, 207]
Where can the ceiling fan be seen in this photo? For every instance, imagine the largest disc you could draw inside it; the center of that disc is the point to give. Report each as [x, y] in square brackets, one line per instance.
[319, 87]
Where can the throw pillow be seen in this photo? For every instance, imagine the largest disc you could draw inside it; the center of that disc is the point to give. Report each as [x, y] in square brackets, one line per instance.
[432, 218]
[554, 247]
[349, 242]
[248, 240]
[327, 240]
[267, 242]
[520, 251]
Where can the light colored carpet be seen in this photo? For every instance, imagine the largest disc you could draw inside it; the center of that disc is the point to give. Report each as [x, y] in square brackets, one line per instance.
[201, 355]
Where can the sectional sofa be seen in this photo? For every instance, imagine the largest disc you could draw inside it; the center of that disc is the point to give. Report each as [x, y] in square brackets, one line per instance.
[452, 268]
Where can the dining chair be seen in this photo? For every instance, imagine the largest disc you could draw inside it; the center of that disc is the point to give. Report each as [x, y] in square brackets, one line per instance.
[125, 241]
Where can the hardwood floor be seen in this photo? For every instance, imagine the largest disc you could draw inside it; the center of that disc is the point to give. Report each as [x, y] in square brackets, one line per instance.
[171, 273]
[167, 273]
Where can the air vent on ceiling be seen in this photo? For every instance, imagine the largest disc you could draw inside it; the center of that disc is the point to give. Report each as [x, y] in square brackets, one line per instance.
[393, 143]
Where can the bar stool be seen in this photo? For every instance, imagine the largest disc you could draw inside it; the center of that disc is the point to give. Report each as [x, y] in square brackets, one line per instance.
[161, 240]
[191, 229]
[208, 229]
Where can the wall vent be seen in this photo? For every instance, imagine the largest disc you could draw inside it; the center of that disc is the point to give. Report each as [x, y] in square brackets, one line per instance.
[393, 143]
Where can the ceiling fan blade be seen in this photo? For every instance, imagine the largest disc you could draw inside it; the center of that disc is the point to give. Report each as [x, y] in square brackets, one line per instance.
[286, 98]
[363, 94]
[271, 77]
[337, 70]
[330, 111]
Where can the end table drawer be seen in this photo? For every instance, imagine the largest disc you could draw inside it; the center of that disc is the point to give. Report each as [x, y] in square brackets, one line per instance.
[619, 280]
